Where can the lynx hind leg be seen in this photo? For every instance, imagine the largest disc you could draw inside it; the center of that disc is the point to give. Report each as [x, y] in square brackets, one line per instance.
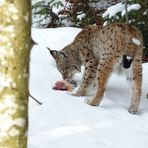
[135, 83]
[103, 73]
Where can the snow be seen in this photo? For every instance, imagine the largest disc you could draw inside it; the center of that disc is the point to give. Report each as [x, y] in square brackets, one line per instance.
[103, 4]
[145, 12]
[136, 41]
[2, 2]
[13, 132]
[20, 122]
[120, 8]
[42, 20]
[7, 109]
[12, 8]
[65, 121]
[9, 28]
[128, 58]
[131, 7]
[5, 81]
[113, 10]
[81, 16]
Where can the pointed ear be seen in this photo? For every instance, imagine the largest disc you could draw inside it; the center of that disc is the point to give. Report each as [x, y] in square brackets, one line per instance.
[62, 55]
[54, 53]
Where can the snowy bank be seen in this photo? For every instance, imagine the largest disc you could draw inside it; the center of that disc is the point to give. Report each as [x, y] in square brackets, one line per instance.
[64, 121]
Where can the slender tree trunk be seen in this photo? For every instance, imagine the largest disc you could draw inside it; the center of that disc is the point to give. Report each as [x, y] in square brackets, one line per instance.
[126, 15]
[15, 45]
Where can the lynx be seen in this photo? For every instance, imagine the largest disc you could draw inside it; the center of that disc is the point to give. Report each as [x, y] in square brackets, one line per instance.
[103, 50]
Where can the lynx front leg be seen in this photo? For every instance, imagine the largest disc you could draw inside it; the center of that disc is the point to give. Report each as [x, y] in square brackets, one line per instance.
[88, 77]
[103, 73]
[135, 82]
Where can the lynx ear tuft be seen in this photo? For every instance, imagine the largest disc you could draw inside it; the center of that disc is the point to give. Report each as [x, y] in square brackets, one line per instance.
[54, 53]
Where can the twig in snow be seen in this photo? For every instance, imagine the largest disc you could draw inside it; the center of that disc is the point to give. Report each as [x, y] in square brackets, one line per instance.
[35, 99]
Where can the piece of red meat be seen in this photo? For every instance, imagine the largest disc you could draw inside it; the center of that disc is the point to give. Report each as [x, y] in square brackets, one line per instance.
[60, 85]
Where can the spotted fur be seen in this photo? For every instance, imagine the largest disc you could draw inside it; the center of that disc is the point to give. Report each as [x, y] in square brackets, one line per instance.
[103, 50]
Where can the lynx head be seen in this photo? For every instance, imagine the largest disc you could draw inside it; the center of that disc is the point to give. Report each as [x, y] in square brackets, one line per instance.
[66, 64]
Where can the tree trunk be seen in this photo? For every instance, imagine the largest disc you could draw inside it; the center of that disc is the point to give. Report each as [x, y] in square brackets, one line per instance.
[126, 15]
[15, 45]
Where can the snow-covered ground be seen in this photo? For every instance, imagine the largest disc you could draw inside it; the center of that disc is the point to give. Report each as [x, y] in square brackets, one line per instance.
[64, 121]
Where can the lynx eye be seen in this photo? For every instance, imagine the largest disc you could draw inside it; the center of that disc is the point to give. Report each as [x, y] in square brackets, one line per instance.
[73, 66]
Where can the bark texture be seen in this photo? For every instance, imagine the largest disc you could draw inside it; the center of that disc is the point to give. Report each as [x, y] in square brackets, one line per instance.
[15, 45]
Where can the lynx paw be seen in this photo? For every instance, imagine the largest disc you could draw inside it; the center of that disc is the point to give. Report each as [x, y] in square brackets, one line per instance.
[79, 93]
[75, 94]
[132, 110]
[92, 102]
